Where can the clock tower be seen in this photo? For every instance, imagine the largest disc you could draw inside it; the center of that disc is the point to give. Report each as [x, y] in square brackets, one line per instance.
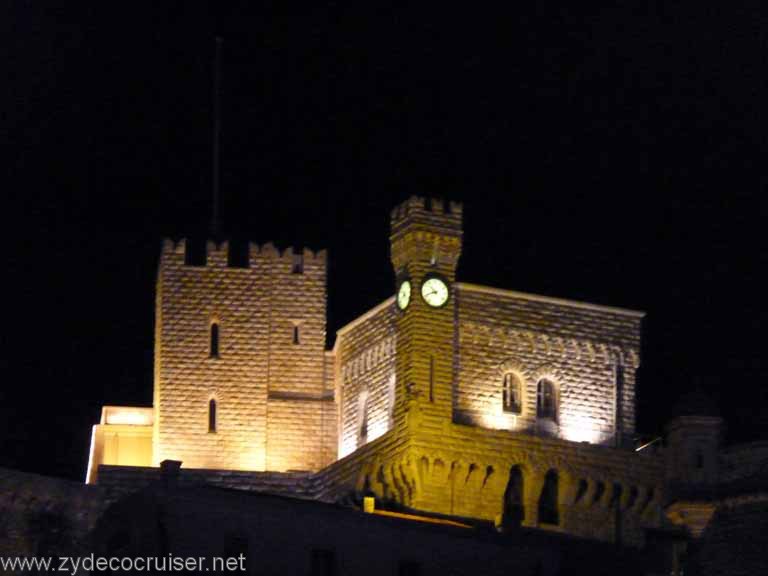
[425, 245]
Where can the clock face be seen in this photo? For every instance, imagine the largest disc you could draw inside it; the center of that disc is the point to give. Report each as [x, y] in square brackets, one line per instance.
[404, 294]
[434, 290]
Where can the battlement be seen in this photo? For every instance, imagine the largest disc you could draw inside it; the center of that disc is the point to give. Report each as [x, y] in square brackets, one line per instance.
[422, 211]
[217, 255]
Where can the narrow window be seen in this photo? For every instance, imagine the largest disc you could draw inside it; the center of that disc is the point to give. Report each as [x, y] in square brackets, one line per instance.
[323, 563]
[545, 399]
[699, 460]
[214, 340]
[212, 416]
[548, 512]
[296, 339]
[431, 378]
[511, 394]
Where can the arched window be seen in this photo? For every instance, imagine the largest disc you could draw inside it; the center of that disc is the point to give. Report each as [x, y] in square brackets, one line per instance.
[212, 415]
[214, 340]
[548, 510]
[546, 402]
[511, 392]
[296, 337]
[513, 499]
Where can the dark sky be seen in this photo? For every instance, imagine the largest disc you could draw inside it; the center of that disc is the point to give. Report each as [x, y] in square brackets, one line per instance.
[614, 155]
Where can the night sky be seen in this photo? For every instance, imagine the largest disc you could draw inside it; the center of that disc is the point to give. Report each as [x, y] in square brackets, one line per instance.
[613, 155]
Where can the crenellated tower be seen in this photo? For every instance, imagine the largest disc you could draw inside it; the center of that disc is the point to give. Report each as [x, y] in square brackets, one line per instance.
[425, 245]
[240, 362]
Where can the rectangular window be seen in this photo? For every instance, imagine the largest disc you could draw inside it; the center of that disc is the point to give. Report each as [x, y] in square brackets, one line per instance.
[212, 416]
[296, 339]
[511, 394]
[214, 340]
[431, 378]
[545, 400]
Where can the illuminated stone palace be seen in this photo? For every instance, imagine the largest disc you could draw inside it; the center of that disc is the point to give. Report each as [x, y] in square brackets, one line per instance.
[447, 398]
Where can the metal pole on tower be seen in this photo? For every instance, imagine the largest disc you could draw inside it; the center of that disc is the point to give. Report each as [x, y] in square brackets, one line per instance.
[216, 137]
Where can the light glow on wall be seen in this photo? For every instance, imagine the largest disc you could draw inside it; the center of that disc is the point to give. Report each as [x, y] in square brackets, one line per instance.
[89, 470]
[580, 428]
[347, 447]
[254, 459]
[497, 421]
[487, 412]
[127, 415]
[376, 429]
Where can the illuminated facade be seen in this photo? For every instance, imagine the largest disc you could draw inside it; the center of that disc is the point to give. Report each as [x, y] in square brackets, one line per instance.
[448, 398]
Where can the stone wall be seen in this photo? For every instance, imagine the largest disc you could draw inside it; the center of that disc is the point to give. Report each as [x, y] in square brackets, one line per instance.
[452, 447]
[124, 445]
[41, 516]
[576, 346]
[281, 536]
[603, 493]
[411, 401]
[467, 473]
[736, 539]
[744, 461]
[301, 432]
[365, 353]
[271, 323]
[124, 480]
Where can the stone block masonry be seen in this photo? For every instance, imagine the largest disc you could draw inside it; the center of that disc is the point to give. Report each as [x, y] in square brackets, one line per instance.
[409, 404]
[268, 360]
[577, 347]
[365, 351]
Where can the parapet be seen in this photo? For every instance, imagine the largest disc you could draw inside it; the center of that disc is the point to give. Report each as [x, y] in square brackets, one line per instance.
[427, 212]
[217, 255]
[289, 259]
[127, 415]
